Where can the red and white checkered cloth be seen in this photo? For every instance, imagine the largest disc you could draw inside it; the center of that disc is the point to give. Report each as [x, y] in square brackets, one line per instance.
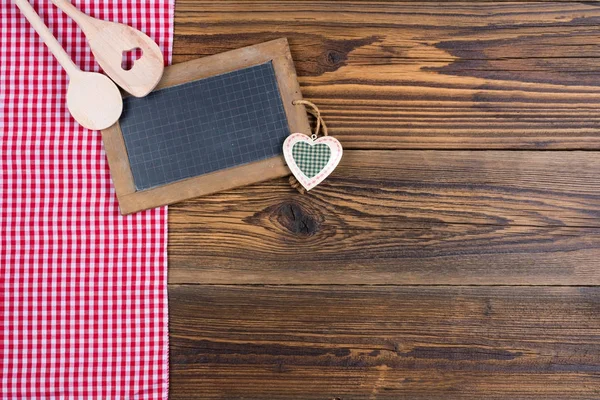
[83, 297]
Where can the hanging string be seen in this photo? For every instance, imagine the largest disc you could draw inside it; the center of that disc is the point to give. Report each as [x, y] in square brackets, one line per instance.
[296, 185]
[313, 110]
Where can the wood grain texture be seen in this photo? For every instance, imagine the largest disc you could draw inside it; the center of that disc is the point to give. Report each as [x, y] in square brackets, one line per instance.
[384, 343]
[406, 78]
[416, 217]
[406, 75]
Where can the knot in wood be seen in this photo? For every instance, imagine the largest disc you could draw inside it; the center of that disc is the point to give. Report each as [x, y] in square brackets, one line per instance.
[297, 219]
[334, 57]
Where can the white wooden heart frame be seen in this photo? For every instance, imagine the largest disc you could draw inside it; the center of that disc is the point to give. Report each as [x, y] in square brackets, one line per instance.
[336, 155]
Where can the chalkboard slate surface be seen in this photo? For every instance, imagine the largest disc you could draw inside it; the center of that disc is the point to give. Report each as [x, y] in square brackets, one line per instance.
[203, 126]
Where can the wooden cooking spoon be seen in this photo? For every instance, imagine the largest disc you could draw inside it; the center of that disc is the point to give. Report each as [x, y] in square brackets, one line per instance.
[109, 40]
[93, 99]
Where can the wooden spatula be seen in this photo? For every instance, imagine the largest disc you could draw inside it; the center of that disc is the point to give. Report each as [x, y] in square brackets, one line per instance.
[93, 99]
[109, 40]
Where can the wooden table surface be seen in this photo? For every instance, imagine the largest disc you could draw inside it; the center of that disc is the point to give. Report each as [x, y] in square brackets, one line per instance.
[454, 254]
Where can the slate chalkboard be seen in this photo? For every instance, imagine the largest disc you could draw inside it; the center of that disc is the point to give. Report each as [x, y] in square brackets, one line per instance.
[212, 124]
[204, 126]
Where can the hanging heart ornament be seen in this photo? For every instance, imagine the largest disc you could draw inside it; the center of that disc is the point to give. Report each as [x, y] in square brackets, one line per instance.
[311, 158]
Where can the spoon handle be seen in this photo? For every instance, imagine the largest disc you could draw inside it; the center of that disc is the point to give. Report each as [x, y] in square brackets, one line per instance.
[49, 39]
[83, 20]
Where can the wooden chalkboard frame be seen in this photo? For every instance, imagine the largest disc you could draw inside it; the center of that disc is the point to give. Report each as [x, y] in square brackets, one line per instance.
[277, 51]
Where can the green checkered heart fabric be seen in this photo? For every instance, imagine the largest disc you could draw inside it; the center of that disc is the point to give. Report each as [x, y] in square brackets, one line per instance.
[311, 159]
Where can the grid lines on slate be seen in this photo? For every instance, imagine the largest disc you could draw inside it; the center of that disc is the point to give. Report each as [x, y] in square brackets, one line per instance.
[204, 126]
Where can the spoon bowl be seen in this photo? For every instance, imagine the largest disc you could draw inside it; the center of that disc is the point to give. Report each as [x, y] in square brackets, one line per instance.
[94, 100]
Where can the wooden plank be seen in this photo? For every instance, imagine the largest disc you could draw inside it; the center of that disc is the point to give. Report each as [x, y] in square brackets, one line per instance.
[419, 75]
[416, 217]
[384, 342]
